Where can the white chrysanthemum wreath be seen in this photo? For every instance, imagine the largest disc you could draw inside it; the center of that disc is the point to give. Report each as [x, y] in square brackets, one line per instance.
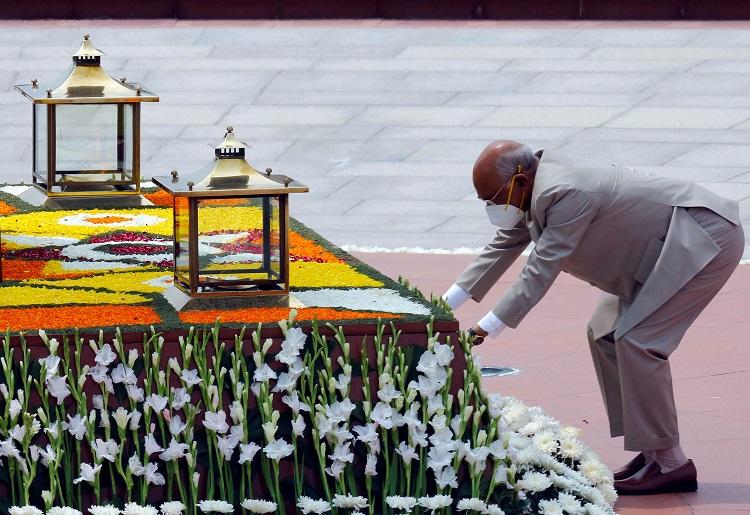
[314, 426]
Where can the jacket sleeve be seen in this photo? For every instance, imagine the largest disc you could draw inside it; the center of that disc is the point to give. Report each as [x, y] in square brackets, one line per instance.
[568, 215]
[494, 260]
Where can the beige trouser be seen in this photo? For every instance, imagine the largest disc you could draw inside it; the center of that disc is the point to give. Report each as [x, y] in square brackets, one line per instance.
[633, 372]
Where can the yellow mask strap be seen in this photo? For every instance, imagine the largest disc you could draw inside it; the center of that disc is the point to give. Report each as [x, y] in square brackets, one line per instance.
[512, 184]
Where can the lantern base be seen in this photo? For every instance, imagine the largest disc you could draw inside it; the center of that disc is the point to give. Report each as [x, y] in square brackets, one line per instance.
[182, 301]
[37, 196]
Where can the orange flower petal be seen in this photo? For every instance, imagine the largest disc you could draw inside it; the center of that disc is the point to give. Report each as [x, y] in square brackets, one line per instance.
[255, 315]
[64, 317]
[6, 209]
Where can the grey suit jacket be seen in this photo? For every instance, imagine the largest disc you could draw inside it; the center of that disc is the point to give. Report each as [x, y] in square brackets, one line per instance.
[616, 228]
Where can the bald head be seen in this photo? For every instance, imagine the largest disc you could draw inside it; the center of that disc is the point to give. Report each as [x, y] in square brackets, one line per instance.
[498, 163]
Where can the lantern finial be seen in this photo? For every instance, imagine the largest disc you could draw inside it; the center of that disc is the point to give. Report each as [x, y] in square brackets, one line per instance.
[86, 37]
[230, 129]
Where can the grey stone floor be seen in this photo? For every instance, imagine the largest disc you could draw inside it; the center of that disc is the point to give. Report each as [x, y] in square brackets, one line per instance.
[383, 121]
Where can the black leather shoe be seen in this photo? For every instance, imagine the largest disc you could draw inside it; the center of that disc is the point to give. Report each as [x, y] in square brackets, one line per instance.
[651, 480]
[630, 468]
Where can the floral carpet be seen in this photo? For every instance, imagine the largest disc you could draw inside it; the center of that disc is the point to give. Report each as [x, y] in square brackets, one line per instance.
[110, 267]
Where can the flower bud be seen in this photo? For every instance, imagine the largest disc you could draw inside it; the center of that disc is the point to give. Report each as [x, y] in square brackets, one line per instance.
[172, 363]
[257, 359]
[196, 479]
[267, 345]
[132, 357]
[467, 412]
[188, 352]
[43, 336]
[42, 416]
[53, 345]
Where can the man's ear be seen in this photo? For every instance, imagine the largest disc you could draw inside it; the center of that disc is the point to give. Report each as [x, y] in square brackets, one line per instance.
[521, 180]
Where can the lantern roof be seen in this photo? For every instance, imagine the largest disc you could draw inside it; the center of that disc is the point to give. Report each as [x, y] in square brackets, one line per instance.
[229, 174]
[87, 83]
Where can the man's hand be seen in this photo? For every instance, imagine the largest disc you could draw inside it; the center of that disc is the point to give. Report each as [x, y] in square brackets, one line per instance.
[478, 333]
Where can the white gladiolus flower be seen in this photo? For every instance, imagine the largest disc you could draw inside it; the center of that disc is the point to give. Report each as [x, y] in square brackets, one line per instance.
[443, 354]
[105, 356]
[152, 475]
[47, 455]
[264, 374]
[258, 506]
[215, 507]
[176, 425]
[286, 382]
[175, 451]
[435, 502]
[25, 510]
[156, 402]
[172, 508]
[371, 465]
[132, 508]
[8, 449]
[389, 393]
[350, 502]
[121, 417]
[18, 433]
[446, 477]
[107, 509]
[534, 482]
[309, 505]
[397, 502]
[336, 469]
[190, 377]
[382, 414]
[298, 425]
[472, 504]
[180, 397]
[135, 393]
[237, 412]
[407, 453]
[123, 374]
[52, 364]
[135, 466]
[216, 421]
[135, 419]
[63, 510]
[227, 445]
[14, 409]
[248, 452]
[88, 473]
[342, 452]
[151, 446]
[105, 450]
[278, 450]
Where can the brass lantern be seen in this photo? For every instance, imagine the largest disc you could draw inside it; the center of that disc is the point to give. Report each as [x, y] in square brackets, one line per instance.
[87, 131]
[231, 227]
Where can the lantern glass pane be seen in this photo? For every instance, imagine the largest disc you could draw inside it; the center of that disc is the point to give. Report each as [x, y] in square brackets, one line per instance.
[239, 243]
[40, 140]
[94, 142]
[182, 240]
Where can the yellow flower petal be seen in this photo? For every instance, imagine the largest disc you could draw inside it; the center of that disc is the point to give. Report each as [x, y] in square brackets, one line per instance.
[319, 275]
[16, 296]
[120, 282]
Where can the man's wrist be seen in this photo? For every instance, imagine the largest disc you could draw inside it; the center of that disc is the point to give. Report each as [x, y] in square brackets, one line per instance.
[455, 296]
[491, 324]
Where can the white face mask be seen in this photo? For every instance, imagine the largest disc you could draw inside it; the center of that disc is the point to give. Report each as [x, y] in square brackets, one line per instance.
[505, 217]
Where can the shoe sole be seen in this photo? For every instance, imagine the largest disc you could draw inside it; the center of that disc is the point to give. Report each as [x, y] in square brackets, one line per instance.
[683, 488]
